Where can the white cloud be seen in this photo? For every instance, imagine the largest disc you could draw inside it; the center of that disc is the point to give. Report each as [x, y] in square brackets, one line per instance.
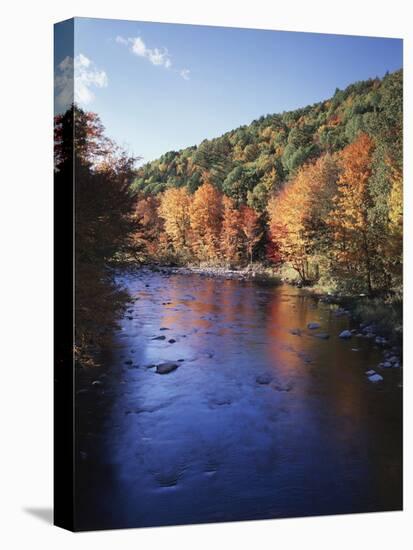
[75, 79]
[121, 40]
[185, 74]
[157, 56]
[138, 47]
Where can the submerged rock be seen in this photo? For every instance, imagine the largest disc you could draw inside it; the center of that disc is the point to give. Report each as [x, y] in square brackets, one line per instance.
[220, 401]
[313, 326]
[264, 379]
[171, 341]
[380, 340]
[295, 332]
[368, 329]
[283, 387]
[158, 338]
[346, 334]
[375, 377]
[322, 335]
[165, 368]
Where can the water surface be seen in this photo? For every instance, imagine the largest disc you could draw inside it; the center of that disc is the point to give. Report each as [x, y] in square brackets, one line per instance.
[260, 420]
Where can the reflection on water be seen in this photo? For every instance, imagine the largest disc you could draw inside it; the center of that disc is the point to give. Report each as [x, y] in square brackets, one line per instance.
[256, 422]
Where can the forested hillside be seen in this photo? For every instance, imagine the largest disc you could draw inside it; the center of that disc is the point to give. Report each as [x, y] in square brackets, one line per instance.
[318, 189]
[251, 161]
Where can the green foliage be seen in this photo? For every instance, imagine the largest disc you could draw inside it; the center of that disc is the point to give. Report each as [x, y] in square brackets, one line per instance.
[239, 161]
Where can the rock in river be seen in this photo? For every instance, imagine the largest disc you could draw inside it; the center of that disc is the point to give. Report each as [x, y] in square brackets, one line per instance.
[159, 337]
[165, 368]
[345, 334]
[264, 379]
[375, 377]
[322, 335]
[313, 326]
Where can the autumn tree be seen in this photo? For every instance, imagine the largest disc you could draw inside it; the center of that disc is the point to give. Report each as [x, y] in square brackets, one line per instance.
[206, 220]
[354, 238]
[174, 209]
[393, 246]
[297, 215]
[82, 133]
[251, 229]
[231, 233]
[148, 239]
[286, 226]
[100, 174]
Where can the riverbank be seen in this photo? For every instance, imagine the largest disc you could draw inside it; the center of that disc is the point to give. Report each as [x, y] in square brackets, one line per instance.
[249, 273]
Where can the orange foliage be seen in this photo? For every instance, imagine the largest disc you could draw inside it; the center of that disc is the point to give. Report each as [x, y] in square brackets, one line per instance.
[349, 220]
[296, 213]
[174, 209]
[206, 219]
[251, 228]
[148, 239]
[231, 237]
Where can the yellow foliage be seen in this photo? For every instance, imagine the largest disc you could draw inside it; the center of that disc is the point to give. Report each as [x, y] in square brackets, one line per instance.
[174, 209]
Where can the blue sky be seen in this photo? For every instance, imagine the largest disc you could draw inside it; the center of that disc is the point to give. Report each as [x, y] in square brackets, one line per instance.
[161, 87]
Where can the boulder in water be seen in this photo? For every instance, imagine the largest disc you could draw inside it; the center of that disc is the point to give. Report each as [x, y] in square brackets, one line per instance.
[264, 379]
[375, 377]
[345, 334]
[166, 368]
[313, 326]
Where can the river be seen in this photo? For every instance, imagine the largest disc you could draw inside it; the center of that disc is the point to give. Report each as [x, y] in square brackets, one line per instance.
[261, 419]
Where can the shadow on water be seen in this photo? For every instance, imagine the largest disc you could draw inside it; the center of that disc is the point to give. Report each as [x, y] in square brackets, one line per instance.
[99, 303]
[263, 418]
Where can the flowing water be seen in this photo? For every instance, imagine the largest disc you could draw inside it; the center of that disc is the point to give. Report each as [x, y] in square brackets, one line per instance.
[261, 419]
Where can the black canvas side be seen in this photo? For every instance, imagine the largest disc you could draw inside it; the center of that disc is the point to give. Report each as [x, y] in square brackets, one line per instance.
[63, 309]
